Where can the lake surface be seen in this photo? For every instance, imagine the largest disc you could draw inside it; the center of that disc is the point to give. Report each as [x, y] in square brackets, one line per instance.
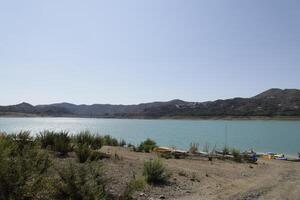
[261, 135]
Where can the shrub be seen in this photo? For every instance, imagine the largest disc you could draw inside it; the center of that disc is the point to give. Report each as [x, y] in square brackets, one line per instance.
[83, 152]
[155, 172]
[62, 143]
[194, 147]
[46, 139]
[97, 142]
[166, 155]
[132, 147]
[110, 141]
[147, 146]
[22, 140]
[85, 137]
[22, 173]
[81, 183]
[22, 136]
[236, 155]
[225, 150]
[56, 141]
[133, 186]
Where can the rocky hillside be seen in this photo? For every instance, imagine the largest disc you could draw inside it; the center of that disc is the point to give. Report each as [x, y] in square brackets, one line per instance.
[273, 102]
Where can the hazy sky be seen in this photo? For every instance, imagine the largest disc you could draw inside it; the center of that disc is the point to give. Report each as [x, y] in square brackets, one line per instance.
[144, 50]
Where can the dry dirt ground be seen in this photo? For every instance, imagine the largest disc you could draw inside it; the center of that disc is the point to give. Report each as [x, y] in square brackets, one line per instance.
[197, 179]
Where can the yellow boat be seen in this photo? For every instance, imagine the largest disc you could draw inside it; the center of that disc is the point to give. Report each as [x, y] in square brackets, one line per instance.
[163, 150]
[267, 157]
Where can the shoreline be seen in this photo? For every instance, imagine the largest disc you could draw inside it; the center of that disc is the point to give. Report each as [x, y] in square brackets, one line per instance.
[275, 118]
[260, 150]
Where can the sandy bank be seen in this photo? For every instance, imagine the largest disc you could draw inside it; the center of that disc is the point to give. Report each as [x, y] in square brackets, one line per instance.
[202, 179]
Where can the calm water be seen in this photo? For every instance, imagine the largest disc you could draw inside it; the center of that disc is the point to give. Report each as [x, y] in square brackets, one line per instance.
[262, 135]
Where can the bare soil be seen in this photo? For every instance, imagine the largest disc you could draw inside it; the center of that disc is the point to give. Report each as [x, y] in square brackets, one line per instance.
[197, 179]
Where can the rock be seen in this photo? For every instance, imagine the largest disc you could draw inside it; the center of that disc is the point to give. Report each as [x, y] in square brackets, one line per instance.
[142, 194]
[162, 197]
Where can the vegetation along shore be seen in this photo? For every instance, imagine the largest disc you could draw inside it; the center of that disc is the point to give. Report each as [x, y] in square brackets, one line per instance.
[61, 165]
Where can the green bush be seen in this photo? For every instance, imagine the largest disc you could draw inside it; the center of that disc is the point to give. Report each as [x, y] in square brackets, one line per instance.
[167, 155]
[56, 141]
[22, 140]
[132, 187]
[46, 139]
[155, 172]
[22, 169]
[147, 146]
[131, 147]
[110, 141]
[85, 137]
[62, 143]
[225, 150]
[97, 142]
[82, 182]
[83, 152]
[26, 172]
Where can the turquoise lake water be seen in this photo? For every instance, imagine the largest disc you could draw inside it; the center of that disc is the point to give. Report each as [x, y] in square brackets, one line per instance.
[261, 135]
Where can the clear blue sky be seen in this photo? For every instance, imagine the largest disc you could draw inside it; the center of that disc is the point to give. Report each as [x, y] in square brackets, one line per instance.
[133, 51]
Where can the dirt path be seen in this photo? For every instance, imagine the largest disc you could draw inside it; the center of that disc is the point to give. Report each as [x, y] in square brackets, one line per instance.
[283, 182]
[275, 180]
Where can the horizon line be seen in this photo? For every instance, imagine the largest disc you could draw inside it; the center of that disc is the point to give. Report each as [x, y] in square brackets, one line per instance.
[158, 101]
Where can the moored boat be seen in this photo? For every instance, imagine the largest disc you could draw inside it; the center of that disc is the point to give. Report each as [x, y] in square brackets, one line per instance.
[163, 150]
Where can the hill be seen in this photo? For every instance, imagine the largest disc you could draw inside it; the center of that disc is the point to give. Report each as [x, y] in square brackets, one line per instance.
[271, 103]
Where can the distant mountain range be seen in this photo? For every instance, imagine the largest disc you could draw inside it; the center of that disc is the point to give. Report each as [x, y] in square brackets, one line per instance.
[271, 103]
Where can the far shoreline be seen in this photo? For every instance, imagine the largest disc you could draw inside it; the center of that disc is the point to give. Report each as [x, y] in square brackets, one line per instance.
[229, 118]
